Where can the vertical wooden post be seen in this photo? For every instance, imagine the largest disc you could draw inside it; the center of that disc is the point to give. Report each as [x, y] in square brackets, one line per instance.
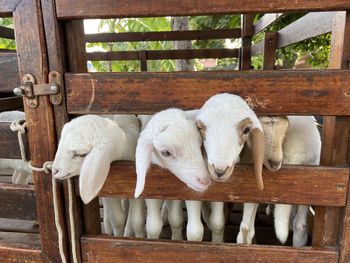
[247, 28]
[31, 50]
[335, 148]
[143, 60]
[270, 46]
[77, 63]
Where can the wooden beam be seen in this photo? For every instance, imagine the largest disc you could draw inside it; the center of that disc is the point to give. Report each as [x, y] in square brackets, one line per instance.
[11, 103]
[312, 185]
[164, 54]
[18, 202]
[7, 7]
[67, 9]
[270, 45]
[21, 253]
[9, 147]
[9, 75]
[108, 249]
[265, 21]
[305, 91]
[317, 24]
[246, 34]
[6, 32]
[164, 35]
[32, 57]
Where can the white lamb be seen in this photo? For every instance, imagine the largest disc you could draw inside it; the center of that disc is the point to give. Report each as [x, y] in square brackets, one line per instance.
[293, 140]
[172, 141]
[226, 123]
[87, 147]
[21, 174]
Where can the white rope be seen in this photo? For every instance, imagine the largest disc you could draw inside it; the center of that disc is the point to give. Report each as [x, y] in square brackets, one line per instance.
[20, 127]
[71, 220]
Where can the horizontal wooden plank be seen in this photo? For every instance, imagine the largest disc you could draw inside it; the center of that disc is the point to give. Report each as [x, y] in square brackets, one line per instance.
[25, 253]
[12, 103]
[164, 54]
[317, 24]
[164, 35]
[7, 7]
[137, 8]
[6, 32]
[17, 202]
[9, 147]
[18, 225]
[108, 249]
[313, 185]
[9, 76]
[265, 21]
[293, 92]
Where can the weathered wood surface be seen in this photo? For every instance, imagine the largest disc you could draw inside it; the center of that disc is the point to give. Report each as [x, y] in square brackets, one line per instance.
[164, 35]
[11, 103]
[18, 225]
[317, 24]
[9, 147]
[105, 249]
[6, 32]
[9, 75]
[14, 253]
[164, 54]
[17, 202]
[136, 8]
[265, 21]
[270, 45]
[32, 56]
[312, 185]
[246, 34]
[7, 7]
[319, 92]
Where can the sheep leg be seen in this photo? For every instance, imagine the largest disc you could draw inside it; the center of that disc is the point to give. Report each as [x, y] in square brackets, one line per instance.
[282, 215]
[194, 229]
[107, 227]
[300, 227]
[175, 218]
[116, 215]
[154, 222]
[137, 207]
[164, 213]
[247, 227]
[128, 231]
[217, 221]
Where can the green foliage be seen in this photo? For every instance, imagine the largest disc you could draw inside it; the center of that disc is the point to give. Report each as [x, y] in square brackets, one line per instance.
[7, 43]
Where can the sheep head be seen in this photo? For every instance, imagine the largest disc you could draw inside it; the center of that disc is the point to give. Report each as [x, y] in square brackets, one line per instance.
[172, 141]
[226, 123]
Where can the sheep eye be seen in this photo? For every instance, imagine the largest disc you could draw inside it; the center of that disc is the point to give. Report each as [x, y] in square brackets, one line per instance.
[246, 130]
[76, 155]
[165, 153]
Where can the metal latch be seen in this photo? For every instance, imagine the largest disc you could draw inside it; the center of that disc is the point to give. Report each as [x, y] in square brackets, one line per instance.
[31, 91]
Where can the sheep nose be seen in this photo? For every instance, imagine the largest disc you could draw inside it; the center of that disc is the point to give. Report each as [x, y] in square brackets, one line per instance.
[220, 172]
[274, 165]
[54, 171]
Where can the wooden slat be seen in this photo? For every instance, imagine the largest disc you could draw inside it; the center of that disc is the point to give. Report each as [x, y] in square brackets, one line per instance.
[164, 54]
[317, 24]
[32, 57]
[312, 185]
[318, 92]
[17, 202]
[270, 44]
[6, 32]
[246, 34]
[9, 147]
[18, 225]
[164, 35]
[13, 253]
[266, 21]
[9, 76]
[12, 103]
[106, 249]
[136, 8]
[7, 7]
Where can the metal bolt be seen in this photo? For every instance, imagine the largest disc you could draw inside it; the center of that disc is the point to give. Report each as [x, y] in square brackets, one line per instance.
[17, 91]
[54, 88]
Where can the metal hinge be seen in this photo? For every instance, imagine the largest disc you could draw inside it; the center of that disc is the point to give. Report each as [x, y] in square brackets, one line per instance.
[31, 91]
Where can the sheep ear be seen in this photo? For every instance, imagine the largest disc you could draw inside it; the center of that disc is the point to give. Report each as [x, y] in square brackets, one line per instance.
[143, 161]
[258, 151]
[94, 172]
